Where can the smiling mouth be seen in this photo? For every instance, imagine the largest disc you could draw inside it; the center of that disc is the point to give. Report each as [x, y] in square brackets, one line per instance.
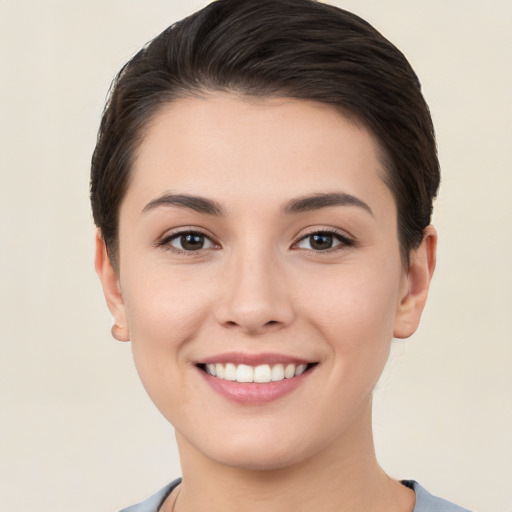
[262, 373]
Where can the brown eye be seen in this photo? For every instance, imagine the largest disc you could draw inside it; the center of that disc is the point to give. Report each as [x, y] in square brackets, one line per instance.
[323, 241]
[190, 241]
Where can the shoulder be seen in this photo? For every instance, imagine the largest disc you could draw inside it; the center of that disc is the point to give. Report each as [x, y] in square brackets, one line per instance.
[426, 502]
[152, 504]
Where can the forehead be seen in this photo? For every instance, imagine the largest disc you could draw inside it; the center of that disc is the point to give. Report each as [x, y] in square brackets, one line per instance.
[236, 148]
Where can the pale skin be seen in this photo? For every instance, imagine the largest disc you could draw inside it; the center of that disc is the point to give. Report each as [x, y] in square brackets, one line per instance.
[258, 284]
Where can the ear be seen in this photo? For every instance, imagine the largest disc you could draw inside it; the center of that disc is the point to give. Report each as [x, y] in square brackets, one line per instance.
[417, 281]
[111, 289]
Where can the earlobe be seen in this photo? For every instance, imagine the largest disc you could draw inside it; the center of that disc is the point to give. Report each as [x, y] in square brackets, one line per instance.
[111, 289]
[421, 269]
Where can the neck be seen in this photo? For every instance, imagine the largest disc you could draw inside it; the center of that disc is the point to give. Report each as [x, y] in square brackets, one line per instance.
[343, 476]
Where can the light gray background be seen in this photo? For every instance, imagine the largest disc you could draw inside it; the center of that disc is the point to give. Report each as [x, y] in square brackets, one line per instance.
[77, 431]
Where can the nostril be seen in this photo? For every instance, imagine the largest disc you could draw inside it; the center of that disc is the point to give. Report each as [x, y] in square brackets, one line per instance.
[270, 323]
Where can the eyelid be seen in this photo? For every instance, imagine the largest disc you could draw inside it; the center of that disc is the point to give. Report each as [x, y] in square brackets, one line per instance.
[164, 240]
[342, 236]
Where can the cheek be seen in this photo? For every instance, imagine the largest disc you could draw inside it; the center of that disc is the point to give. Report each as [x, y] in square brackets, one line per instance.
[356, 318]
[359, 299]
[164, 310]
[355, 309]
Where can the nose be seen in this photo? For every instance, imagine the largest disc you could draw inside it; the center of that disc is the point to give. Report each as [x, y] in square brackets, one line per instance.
[254, 297]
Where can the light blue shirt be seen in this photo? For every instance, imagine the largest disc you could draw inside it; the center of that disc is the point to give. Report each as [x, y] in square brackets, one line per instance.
[425, 502]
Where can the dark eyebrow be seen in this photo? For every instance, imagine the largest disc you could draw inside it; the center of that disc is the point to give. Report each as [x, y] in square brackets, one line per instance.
[318, 201]
[196, 203]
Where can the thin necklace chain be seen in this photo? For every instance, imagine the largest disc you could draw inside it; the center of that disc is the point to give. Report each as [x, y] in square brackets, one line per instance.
[176, 499]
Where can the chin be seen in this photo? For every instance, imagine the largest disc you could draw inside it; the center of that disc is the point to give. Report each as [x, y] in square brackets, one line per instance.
[258, 459]
[257, 449]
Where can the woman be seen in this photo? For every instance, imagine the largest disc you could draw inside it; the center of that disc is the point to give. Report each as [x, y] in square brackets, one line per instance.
[262, 185]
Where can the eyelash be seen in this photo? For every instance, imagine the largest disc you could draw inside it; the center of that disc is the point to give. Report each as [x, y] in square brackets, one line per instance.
[165, 242]
[342, 238]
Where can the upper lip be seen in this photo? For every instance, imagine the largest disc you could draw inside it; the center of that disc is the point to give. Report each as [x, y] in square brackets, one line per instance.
[269, 358]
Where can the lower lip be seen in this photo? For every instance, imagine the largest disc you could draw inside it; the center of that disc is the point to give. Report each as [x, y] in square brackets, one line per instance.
[254, 393]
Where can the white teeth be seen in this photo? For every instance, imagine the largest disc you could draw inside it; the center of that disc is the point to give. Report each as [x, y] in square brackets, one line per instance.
[260, 374]
[230, 372]
[244, 373]
[219, 370]
[289, 371]
[277, 372]
[300, 369]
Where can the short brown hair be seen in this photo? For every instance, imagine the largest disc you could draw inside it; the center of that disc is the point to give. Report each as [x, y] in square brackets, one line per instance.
[295, 48]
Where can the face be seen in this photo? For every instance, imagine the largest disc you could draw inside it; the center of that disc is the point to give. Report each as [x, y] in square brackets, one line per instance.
[260, 278]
